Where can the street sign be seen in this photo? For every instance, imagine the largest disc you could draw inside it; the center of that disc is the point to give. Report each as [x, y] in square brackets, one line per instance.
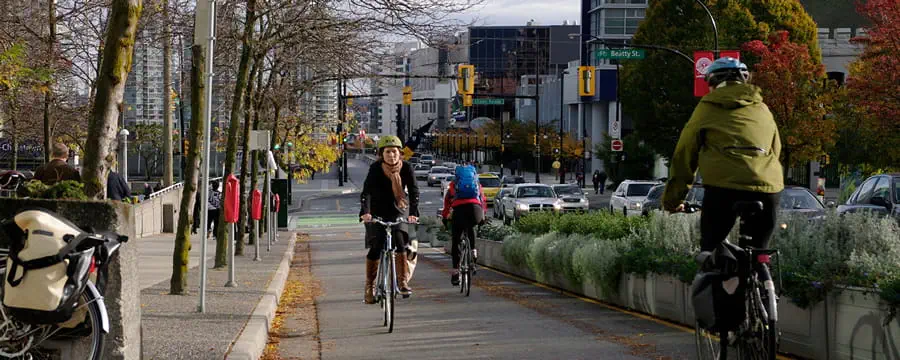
[556, 164]
[617, 145]
[702, 61]
[259, 139]
[620, 54]
[488, 101]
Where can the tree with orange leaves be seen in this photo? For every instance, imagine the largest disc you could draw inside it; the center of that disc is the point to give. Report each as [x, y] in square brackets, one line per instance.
[795, 88]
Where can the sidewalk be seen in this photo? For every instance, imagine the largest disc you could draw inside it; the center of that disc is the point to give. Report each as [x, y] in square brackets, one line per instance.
[235, 324]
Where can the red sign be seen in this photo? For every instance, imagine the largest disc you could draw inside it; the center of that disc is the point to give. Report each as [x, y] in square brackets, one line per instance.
[702, 61]
[232, 199]
[617, 145]
[256, 205]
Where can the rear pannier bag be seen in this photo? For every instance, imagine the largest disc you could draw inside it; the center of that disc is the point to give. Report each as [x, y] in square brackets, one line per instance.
[717, 293]
[45, 272]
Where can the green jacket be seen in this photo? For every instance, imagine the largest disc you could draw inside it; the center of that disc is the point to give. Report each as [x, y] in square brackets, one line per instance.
[734, 141]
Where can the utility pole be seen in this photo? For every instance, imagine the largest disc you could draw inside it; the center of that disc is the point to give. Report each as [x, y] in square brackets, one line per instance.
[343, 120]
[537, 111]
[340, 132]
[562, 107]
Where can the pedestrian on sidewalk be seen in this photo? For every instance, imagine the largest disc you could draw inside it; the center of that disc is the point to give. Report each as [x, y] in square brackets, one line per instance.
[602, 181]
[57, 169]
[215, 203]
[116, 187]
[383, 196]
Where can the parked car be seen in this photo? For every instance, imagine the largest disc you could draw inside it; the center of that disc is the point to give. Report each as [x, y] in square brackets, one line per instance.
[490, 184]
[525, 198]
[573, 198]
[498, 202]
[799, 200]
[427, 160]
[436, 174]
[445, 184]
[630, 196]
[879, 194]
[510, 180]
[421, 171]
[654, 200]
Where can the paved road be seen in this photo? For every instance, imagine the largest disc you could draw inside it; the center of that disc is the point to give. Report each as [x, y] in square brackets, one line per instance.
[503, 319]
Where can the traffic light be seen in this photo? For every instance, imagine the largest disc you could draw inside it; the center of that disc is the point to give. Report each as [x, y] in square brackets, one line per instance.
[534, 138]
[349, 99]
[465, 79]
[398, 115]
[467, 100]
[407, 95]
[586, 86]
[556, 151]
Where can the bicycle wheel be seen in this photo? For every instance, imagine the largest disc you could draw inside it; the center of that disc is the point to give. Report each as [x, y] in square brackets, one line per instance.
[389, 293]
[463, 264]
[757, 338]
[90, 329]
[708, 345]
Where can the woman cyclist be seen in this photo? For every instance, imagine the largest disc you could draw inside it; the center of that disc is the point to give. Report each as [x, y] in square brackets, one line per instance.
[733, 140]
[389, 192]
[466, 213]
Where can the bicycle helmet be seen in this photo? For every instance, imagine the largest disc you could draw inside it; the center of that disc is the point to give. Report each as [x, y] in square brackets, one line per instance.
[389, 140]
[726, 69]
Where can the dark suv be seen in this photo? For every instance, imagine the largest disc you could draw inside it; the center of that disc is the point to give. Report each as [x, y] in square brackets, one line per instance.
[878, 194]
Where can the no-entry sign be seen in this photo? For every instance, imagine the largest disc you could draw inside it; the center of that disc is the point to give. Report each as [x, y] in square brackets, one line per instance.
[617, 145]
[702, 61]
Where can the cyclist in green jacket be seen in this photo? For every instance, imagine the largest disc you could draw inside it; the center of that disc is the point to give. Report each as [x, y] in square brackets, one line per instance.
[733, 140]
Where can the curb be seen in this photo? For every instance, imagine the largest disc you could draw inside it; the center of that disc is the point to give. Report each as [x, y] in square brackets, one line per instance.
[252, 341]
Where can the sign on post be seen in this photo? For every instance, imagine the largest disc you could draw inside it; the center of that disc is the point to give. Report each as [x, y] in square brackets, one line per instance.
[488, 101]
[702, 61]
[259, 139]
[617, 145]
[620, 54]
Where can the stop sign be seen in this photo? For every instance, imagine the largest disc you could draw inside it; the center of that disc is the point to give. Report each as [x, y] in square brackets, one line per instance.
[617, 145]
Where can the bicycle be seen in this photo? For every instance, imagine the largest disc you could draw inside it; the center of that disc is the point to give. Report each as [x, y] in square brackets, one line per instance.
[386, 288]
[466, 265]
[23, 339]
[757, 335]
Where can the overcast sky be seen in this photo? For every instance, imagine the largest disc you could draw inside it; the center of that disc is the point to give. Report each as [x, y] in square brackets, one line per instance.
[518, 12]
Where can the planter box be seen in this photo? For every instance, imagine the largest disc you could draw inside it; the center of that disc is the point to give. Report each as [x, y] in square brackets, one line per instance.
[670, 299]
[802, 330]
[856, 327]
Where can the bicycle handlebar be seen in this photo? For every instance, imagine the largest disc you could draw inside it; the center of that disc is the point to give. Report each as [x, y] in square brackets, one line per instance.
[399, 221]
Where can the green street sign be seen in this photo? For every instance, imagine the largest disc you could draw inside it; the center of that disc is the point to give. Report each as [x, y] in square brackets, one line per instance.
[620, 54]
[488, 101]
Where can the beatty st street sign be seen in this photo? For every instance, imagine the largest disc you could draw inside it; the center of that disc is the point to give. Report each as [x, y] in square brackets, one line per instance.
[620, 54]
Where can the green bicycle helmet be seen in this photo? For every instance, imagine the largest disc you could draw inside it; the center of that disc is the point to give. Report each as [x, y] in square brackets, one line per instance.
[389, 140]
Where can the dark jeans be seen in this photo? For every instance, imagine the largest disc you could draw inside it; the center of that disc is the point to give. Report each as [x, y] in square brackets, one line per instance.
[465, 217]
[212, 218]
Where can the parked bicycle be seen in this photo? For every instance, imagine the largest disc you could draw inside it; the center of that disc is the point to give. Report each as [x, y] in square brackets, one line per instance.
[54, 275]
[386, 288]
[756, 334]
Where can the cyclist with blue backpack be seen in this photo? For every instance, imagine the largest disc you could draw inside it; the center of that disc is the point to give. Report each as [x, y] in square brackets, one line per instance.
[466, 205]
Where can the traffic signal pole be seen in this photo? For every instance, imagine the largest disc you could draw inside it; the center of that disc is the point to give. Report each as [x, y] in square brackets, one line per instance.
[340, 132]
[344, 119]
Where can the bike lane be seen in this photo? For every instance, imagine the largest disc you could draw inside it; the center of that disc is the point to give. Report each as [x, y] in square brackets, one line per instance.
[503, 318]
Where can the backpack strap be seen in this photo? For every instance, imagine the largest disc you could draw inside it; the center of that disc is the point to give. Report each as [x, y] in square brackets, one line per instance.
[42, 262]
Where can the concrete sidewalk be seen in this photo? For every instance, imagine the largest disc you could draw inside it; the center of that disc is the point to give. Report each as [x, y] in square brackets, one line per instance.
[235, 324]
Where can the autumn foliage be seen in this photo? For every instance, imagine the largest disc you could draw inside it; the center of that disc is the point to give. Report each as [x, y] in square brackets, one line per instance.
[874, 83]
[795, 88]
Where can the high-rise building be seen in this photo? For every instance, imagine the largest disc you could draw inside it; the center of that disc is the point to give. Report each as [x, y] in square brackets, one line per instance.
[144, 88]
[395, 65]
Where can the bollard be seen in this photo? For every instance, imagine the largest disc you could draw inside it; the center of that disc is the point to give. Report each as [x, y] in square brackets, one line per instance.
[232, 212]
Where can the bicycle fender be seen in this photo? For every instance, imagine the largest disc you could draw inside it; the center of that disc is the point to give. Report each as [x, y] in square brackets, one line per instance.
[104, 317]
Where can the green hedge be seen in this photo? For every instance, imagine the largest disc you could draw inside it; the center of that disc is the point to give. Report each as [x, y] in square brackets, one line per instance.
[816, 257]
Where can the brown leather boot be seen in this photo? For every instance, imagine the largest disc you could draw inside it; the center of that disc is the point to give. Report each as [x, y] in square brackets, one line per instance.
[371, 272]
[403, 274]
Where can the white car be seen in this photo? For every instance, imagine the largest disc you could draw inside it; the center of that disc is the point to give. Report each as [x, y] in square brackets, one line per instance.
[437, 174]
[525, 198]
[572, 196]
[427, 160]
[630, 196]
[421, 171]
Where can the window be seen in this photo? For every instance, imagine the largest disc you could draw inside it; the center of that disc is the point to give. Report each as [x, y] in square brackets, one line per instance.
[621, 21]
[625, 1]
[639, 189]
[883, 189]
[865, 192]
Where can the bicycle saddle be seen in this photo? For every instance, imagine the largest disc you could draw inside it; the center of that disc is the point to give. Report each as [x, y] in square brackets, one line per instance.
[747, 207]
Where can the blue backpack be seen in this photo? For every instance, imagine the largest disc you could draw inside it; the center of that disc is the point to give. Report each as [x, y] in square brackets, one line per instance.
[466, 183]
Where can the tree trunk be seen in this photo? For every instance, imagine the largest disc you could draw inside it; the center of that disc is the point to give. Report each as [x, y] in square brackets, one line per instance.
[48, 96]
[245, 160]
[231, 150]
[102, 126]
[192, 173]
[168, 148]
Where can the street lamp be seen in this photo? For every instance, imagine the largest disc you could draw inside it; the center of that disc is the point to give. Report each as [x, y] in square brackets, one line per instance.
[124, 163]
[562, 106]
[290, 171]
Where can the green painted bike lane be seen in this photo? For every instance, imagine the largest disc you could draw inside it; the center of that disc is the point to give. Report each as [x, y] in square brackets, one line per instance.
[326, 221]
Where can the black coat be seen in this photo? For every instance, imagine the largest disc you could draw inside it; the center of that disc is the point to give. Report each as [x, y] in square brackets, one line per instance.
[377, 199]
[116, 187]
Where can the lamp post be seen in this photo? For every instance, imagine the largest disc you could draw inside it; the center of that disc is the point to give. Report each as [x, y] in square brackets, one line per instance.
[562, 107]
[290, 171]
[124, 162]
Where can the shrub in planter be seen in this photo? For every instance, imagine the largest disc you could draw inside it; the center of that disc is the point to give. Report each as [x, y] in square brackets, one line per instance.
[600, 224]
[536, 223]
[516, 248]
[600, 261]
[68, 189]
[495, 232]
